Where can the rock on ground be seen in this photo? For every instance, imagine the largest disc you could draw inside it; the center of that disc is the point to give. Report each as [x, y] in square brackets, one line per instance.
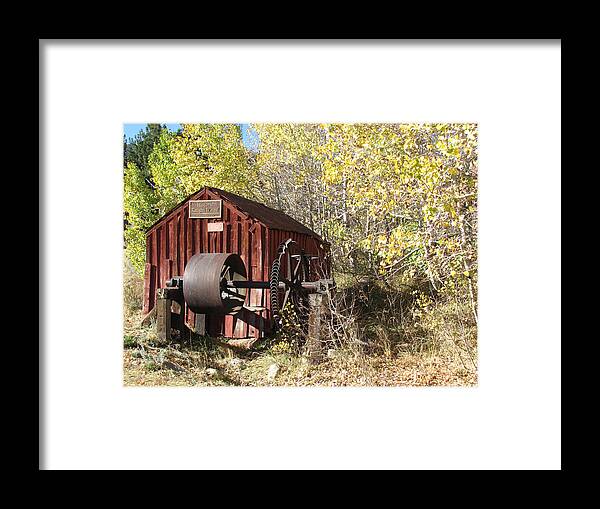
[172, 365]
[272, 373]
[235, 362]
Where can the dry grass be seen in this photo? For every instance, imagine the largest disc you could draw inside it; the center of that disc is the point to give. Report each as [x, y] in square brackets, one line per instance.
[176, 365]
[375, 338]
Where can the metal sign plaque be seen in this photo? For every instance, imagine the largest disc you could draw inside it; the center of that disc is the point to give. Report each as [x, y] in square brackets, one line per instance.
[205, 209]
[215, 227]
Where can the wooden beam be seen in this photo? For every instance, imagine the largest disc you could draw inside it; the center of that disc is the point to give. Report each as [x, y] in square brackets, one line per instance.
[200, 325]
[163, 319]
[175, 294]
[314, 344]
[148, 317]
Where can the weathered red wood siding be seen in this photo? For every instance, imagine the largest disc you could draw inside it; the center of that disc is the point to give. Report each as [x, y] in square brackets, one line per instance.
[172, 241]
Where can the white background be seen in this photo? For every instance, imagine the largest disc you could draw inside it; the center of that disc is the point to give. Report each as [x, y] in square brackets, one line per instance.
[511, 420]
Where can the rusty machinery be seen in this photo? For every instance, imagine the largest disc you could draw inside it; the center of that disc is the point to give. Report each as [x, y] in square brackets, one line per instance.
[216, 283]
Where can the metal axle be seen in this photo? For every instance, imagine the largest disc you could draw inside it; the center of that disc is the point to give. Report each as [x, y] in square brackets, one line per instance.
[311, 286]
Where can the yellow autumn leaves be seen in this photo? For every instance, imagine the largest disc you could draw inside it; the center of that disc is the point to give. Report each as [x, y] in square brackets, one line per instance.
[389, 197]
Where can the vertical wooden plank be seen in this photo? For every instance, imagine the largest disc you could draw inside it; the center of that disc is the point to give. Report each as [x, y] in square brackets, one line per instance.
[147, 285]
[146, 298]
[189, 241]
[187, 254]
[263, 268]
[153, 287]
[253, 266]
[180, 249]
[217, 241]
[259, 243]
[172, 241]
[250, 249]
[244, 244]
[195, 227]
[160, 255]
[257, 263]
[246, 250]
[227, 231]
[228, 326]
[235, 227]
[165, 271]
[176, 234]
[214, 241]
[222, 243]
[205, 243]
[198, 232]
[227, 238]
[164, 252]
[164, 247]
[153, 257]
[167, 236]
[266, 274]
[184, 243]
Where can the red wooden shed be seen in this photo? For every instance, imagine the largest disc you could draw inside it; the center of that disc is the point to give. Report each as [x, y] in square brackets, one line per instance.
[226, 223]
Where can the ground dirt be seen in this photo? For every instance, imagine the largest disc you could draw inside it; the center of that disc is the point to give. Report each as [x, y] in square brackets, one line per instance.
[196, 364]
[371, 372]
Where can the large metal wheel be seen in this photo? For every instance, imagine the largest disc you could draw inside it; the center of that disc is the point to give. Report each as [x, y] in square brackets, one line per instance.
[291, 268]
[205, 283]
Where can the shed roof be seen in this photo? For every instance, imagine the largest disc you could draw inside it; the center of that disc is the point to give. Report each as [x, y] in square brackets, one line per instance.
[271, 218]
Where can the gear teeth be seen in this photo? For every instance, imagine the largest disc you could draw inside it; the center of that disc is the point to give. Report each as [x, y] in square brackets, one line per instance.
[274, 291]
